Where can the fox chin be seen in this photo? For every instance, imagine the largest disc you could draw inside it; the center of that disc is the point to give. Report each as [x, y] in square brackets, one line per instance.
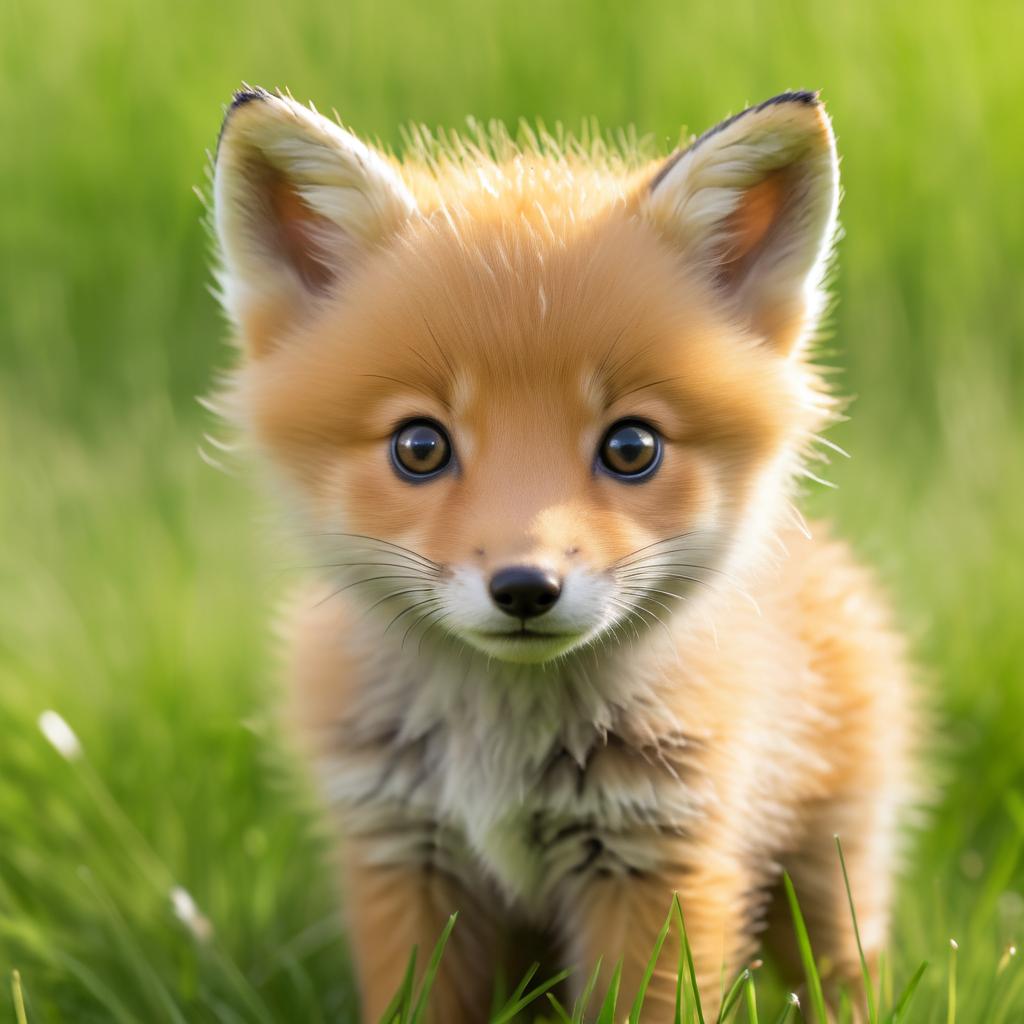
[540, 407]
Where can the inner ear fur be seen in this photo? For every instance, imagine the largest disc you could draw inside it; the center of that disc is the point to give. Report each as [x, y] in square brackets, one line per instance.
[748, 227]
[300, 232]
[299, 202]
[753, 203]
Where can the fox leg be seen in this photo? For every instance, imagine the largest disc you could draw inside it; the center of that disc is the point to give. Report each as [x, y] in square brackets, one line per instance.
[393, 907]
[616, 917]
[868, 849]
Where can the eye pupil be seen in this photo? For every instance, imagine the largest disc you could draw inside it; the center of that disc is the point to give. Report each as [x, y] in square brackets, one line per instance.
[422, 444]
[629, 445]
[630, 449]
[421, 449]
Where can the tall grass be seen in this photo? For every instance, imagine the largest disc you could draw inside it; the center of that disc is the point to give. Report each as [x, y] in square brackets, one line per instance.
[135, 582]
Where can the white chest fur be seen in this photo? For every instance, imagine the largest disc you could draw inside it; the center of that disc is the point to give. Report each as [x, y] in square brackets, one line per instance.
[533, 774]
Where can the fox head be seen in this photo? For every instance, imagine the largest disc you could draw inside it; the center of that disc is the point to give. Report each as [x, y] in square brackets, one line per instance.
[526, 394]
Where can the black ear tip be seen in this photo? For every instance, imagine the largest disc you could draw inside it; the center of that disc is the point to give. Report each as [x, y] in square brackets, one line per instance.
[802, 96]
[248, 94]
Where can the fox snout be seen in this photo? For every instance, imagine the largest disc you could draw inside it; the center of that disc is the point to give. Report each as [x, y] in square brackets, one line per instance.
[524, 591]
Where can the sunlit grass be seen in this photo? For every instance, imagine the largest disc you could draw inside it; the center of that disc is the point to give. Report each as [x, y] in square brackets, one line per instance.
[136, 583]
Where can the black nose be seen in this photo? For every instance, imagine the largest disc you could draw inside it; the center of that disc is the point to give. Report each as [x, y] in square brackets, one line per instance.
[524, 592]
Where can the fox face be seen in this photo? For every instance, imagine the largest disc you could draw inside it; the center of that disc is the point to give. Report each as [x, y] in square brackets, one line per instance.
[528, 398]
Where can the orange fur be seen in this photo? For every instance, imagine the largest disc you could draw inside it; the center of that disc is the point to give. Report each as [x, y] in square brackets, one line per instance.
[713, 717]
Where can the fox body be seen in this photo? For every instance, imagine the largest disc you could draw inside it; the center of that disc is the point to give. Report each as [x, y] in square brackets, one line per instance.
[540, 408]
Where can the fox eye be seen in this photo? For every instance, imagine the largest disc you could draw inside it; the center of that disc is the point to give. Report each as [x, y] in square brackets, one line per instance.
[630, 450]
[420, 449]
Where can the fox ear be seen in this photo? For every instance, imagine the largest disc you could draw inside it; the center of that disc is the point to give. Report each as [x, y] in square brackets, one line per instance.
[298, 202]
[753, 203]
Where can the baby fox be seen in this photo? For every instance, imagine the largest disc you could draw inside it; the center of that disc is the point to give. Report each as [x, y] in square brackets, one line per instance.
[541, 406]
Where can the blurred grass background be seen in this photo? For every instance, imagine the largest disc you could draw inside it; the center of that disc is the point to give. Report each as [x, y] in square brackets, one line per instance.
[136, 583]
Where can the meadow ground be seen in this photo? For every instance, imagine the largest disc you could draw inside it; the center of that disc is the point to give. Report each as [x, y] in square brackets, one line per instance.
[136, 582]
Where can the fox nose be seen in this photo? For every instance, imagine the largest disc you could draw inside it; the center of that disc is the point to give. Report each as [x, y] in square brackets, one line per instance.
[524, 592]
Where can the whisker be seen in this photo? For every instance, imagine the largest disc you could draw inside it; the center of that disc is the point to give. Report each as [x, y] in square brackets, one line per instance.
[645, 595]
[371, 579]
[376, 579]
[424, 572]
[400, 593]
[642, 581]
[645, 611]
[632, 625]
[628, 617]
[627, 620]
[446, 632]
[385, 543]
[652, 590]
[424, 616]
[656, 566]
[654, 544]
[668, 632]
[654, 569]
[641, 575]
[411, 608]
[652, 556]
[431, 619]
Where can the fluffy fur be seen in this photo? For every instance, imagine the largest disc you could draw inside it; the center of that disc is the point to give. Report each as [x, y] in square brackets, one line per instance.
[715, 694]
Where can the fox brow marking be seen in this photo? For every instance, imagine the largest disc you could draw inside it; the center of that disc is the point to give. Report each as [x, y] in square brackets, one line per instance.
[447, 370]
[607, 371]
[602, 367]
[615, 392]
[618, 395]
[440, 351]
[412, 387]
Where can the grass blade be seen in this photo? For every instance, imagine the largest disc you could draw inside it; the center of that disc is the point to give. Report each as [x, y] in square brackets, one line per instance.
[816, 995]
[869, 990]
[883, 968]
[398, 1008]
[1010, 995]
[652, 963]
[845, 1015]
[792, 1002]
[517, 993]
[751, 999]
[689, 957]
[951, 1005]
[513, 1008]
[19, 998]
[677, 1017]
[560, 1011]
[429, 977]
[732, 996]
[908, 994]
[579, 1007]
[607, 1014]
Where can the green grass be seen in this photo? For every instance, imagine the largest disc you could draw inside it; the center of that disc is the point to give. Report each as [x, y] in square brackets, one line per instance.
[136, 583]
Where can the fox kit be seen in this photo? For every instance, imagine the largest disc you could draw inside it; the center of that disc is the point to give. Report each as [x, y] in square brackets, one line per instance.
[539, 408]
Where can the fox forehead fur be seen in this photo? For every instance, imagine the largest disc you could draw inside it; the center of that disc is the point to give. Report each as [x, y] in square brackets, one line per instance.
[521, 299]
